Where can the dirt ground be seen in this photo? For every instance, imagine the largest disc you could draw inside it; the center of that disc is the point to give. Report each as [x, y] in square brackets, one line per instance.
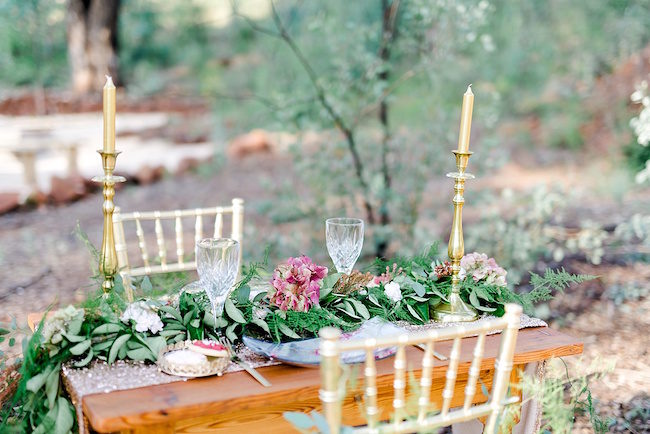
[42, 262]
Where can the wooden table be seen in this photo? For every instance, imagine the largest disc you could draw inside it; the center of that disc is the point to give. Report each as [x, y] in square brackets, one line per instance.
[236, 403]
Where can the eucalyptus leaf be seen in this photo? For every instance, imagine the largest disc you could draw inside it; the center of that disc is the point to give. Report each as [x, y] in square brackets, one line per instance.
[243, 293]
[330, 280]
[196, 323]
[85, 360]
[80, 348]
[38, 380]
[413, 312]
[360, 308]
[230, 332]
[324, 292]
[172, 312]
[287, 331]
[100, 346]
[146, 285]
[107, 328]
[52, 386]
[156, 344]
[74, 338]
[261, 324]
[64, 417]
[188, 317]
[233, 312]
[140, 354]
[115, 348]
[373, 300]
[168, 333]
[175, 326]
[74, 327]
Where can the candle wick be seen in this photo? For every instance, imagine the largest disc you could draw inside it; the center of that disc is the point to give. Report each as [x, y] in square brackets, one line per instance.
[469, 88]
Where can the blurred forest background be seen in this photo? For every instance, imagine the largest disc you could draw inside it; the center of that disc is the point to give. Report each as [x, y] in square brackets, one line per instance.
[314, 109]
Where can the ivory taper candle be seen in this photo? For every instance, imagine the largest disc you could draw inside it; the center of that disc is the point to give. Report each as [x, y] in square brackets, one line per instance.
[466, 120]
[109, 115]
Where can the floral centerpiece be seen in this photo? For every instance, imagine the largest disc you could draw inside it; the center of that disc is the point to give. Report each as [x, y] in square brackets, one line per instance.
[300, 298]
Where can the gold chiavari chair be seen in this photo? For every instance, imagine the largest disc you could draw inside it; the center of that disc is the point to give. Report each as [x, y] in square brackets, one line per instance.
[181, 260]
[332, 393]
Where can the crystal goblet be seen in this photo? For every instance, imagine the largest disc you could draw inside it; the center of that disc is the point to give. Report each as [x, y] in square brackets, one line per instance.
[344, 238]
[217, 263]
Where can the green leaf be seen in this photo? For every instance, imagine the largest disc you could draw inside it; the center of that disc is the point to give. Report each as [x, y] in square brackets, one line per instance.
[243, 293]
[4, 331]
[146, 285]
[117, 345]
[80, 348]
[261, 324]
[52, 386]
[324, 292]
[188, 317]
[373, 300]
[195, 323]
[234, 313]
[64, 417]
[175, 326]
[360, 308]
[417, 270]
[230, 332]
[12, 341]
[100, 346]
[347, 308]
[171, 311]
[85, 360]
[75, 326]
[287, 331]
[330, 280]
[299, 420]
[208, 319]
[155, 344]
[140, 354]
[107, 328]
[473, 299]
[38, 380]
[168, 333]
[74, 338]
[413, 312]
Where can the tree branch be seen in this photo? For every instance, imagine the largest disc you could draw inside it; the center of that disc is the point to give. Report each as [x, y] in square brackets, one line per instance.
[336, 117]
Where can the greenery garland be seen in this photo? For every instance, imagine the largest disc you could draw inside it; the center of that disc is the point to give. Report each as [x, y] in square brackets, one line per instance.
[107, 328]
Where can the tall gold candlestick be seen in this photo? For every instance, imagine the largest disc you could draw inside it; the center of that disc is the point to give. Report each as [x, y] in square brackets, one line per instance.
[108, 255]
[456, 310]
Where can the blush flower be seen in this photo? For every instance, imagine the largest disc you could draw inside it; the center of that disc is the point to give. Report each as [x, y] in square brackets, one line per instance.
[480, 267]
[296, 284]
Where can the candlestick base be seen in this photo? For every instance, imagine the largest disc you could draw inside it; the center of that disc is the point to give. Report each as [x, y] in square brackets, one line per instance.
[454, 311]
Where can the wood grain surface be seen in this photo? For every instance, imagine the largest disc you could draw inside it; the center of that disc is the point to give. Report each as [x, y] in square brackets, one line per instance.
[237, 403]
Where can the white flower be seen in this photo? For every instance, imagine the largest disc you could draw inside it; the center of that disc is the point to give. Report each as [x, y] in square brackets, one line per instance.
[57, 325]
[393, 291]
[144, 316]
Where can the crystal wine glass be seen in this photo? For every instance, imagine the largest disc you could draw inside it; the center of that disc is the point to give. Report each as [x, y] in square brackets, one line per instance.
[344, 237]
[217, 263]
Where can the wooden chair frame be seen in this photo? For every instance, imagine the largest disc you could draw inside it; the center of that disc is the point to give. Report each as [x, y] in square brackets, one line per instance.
[181, 262]
[331, 393]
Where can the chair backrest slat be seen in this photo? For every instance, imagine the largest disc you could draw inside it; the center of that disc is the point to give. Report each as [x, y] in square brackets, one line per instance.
[425, 381]
[474, 371]
[164, 263]
[198, 227]
[178, 228]
[218, 223]
[331, 394]
[370, 372]
[399, 384]
[452, 373]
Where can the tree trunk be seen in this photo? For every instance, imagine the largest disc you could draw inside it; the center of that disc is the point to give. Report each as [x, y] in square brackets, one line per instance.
[92, 43]
[388, 34]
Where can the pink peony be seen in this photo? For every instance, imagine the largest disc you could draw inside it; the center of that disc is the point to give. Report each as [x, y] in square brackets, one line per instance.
[480, 267]
[296, 284]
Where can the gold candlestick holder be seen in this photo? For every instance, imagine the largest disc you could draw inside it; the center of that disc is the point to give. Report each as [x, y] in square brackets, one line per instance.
[108, 255]
[456, 310]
